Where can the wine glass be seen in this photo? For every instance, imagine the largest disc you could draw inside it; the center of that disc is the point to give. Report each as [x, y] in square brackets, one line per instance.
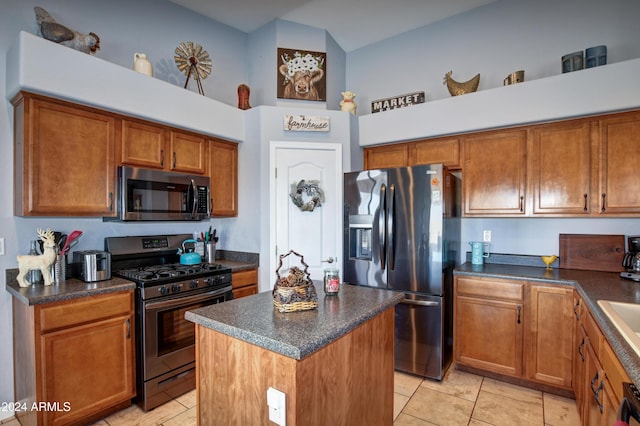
[548, 260]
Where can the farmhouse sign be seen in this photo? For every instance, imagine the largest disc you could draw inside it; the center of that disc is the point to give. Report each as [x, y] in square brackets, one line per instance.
[397, 102]
[306, 123]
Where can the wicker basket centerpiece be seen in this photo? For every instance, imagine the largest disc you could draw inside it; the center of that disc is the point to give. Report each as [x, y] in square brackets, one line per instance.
[294, 292]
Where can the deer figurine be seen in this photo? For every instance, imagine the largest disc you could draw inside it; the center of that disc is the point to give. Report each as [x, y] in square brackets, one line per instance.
[43, 261]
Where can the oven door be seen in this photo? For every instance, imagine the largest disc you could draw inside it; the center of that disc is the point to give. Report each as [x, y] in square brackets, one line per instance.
[169, 339]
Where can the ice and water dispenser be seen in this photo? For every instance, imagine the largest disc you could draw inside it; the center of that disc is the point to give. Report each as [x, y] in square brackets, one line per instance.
[360, 236]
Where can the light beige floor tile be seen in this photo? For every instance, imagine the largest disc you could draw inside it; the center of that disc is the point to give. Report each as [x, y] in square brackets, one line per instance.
[188, 399]
[98, 423]
[500, 410]
[406, 420]
[399, 401]
[512, 391]
[457, 383]
[559, 411]
[135, 416]
[12, 421]
[439, 408]
[187, 418]
[475, 422]
[405, 384]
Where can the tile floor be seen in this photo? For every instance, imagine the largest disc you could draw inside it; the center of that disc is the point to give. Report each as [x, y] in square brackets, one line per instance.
[460, 399]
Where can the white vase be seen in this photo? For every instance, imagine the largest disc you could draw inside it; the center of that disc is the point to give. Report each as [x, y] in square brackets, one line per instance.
[142, 65]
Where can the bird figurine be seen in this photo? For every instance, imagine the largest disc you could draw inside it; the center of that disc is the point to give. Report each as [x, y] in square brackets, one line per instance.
[457, 88]
[58, 33]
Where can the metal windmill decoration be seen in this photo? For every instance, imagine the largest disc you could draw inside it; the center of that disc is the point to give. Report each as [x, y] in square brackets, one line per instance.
[193, 59]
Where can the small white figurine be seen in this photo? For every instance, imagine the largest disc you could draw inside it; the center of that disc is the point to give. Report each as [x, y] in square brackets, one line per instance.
[42, 261]
[347, 103]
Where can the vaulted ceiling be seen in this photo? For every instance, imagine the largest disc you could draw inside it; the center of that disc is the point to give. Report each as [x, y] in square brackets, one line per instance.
[352, 23]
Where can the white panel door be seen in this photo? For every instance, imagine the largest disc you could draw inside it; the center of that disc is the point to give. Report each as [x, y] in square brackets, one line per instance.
[314, 232]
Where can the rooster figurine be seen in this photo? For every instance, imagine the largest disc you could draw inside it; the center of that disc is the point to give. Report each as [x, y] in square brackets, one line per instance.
[58, 33]
[460, 88]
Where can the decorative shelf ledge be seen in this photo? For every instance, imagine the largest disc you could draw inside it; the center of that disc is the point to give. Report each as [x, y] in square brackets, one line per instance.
[608, 88]
[41, 66]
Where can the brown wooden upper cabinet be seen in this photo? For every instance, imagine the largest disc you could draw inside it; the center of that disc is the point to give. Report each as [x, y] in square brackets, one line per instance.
[63, 158]
[428, 151]
[560, 164]
[387, 156]
[158, 147]
[494, 176]
[619, 156]
[435, 151]
[223, 171]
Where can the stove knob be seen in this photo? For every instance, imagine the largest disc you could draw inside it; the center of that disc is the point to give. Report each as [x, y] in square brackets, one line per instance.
[175, 288]
[209, 281]
[193, 284]
[164, 290]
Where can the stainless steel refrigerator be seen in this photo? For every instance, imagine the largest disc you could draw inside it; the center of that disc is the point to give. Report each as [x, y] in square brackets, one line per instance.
[402, 233]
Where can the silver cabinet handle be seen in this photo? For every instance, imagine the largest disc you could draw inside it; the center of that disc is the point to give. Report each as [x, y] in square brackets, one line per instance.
[420, 302]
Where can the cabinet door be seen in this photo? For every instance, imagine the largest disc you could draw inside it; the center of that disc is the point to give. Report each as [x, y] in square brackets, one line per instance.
[488, 334]
[223, 170]
[445, 151]
[143, 145]
[549, 337]
[65, 160]
[387, 156]
[560, 159]
[619, 157]
[494, 168]
[188, 153]
[90, 366]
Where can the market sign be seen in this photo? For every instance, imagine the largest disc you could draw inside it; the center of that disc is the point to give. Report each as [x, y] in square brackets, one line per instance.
[306, 123]
[397, 102]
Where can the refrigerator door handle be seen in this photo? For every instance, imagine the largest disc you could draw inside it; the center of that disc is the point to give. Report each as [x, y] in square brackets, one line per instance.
[390, 227]
[382, 230]
[420, 302]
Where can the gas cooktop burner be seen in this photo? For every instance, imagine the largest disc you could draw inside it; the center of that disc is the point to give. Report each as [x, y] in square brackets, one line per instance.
[166, 272]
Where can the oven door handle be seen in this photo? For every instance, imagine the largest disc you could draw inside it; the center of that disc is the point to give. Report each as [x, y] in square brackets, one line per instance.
[179, 301]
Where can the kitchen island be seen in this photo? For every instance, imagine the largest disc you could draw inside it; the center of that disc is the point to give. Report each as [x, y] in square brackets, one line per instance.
[333, 363]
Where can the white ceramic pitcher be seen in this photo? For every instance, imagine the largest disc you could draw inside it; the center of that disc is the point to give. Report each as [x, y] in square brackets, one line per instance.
[142, 65]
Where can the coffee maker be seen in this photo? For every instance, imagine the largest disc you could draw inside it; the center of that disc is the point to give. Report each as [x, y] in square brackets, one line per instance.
[631, 260]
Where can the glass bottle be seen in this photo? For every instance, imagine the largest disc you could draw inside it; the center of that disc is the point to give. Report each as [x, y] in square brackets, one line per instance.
[331, 281]
[34, 276]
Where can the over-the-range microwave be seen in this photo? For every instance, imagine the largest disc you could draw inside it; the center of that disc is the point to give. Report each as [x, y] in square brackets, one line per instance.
[156, 195]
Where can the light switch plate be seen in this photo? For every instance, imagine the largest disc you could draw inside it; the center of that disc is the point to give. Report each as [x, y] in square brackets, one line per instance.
[1, 246]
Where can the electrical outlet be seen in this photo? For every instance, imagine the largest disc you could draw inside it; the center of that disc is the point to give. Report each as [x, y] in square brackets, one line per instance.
[276, 400]
[1, 246]
[486, 236]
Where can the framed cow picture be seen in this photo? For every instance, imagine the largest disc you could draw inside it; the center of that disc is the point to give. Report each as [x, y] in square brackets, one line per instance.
[302, 75]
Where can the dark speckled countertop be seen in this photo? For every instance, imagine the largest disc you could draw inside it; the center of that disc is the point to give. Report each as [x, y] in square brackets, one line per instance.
[592, 286]
[71, 289]
[296, 335]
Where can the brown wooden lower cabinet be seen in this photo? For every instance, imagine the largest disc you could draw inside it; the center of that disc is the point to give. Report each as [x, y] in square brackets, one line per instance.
[244, 283]
[77, 356]
[515, 329]
[347, 382]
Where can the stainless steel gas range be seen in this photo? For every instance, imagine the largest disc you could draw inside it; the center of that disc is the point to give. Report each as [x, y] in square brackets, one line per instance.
[166, 289]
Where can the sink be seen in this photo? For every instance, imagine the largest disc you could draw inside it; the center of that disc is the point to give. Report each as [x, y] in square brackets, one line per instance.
[626, 318]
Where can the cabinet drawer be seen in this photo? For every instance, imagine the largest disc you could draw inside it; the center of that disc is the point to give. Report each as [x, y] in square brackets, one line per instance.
[244, 278]
[594, 333]
[490, 289]
[79, 311]
[615, 372]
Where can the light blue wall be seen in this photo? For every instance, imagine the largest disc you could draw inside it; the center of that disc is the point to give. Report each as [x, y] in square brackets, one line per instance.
[493, 40]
